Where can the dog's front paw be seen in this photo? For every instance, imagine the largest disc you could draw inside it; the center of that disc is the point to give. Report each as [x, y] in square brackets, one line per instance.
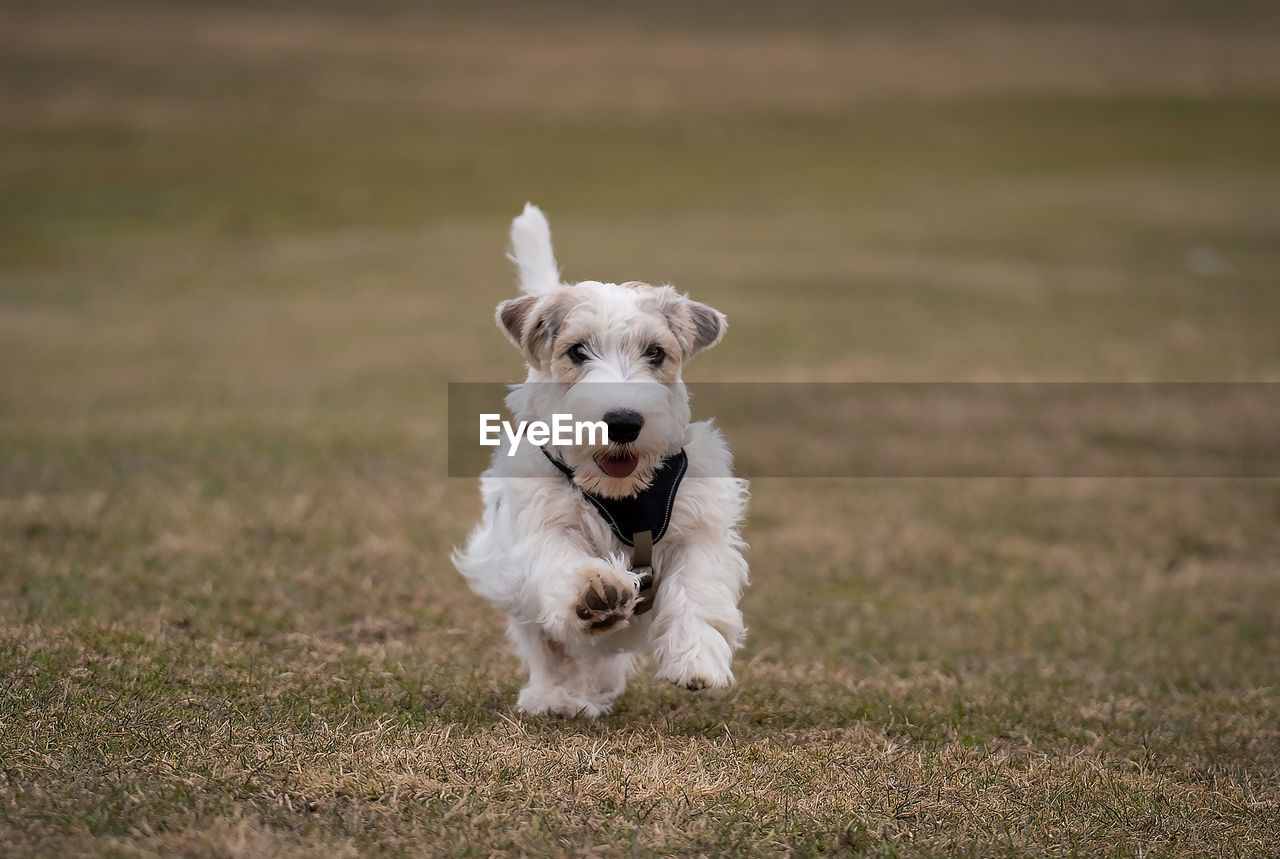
[608, 599]
[707, 677]
[702, 662]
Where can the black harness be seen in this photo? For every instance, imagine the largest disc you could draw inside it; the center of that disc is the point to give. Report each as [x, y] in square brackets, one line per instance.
[641, 520]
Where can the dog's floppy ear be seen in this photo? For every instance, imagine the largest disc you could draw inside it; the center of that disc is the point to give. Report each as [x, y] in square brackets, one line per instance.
[531, 323]
[709, 325]
[697, 326]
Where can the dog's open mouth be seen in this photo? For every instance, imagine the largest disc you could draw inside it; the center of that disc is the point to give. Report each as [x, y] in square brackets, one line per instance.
[618, 465]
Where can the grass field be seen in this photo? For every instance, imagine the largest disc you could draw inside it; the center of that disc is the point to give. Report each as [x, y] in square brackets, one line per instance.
[243, 248]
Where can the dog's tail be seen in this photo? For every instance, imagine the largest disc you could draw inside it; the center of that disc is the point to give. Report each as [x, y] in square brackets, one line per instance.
[531, 252]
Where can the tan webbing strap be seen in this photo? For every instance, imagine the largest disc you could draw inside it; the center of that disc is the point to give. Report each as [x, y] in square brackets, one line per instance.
[642, 563]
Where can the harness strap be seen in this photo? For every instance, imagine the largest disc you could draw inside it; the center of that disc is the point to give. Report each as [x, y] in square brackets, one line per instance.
[648, 514]
[643, 554]
[650, 510]
[642, 563]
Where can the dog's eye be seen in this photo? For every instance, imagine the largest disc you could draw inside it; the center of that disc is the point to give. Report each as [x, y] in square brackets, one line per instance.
[577, 353]
[655, 355]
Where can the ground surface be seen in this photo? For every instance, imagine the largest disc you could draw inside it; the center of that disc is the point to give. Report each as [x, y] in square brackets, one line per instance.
[243, 248]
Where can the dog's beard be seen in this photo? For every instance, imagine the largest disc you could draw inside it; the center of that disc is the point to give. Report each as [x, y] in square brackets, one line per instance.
[666, 422]
[620, 463]
[590, 471]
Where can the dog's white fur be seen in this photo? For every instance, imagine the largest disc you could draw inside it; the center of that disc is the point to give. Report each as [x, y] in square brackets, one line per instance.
[541, 548]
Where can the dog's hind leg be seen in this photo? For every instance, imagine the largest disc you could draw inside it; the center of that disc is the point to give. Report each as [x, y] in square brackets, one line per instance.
[563, 680]
[609, 673]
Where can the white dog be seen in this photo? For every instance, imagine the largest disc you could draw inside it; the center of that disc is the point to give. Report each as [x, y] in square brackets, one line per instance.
[566, 530]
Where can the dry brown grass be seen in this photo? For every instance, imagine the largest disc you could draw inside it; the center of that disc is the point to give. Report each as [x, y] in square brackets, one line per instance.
[242, 251]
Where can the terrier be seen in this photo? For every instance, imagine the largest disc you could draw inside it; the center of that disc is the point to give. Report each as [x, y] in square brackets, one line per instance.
[601, 551]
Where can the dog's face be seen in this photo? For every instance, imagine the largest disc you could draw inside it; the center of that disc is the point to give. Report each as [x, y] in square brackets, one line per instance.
[611, 353]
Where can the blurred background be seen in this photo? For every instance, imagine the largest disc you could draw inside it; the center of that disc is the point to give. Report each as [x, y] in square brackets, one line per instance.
[245, 245]
[270, 211]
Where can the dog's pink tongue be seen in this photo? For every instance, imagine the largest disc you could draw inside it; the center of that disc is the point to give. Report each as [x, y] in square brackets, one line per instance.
[620, 466]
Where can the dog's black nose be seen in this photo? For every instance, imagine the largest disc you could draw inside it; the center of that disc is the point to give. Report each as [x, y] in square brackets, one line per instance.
[624, 425]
